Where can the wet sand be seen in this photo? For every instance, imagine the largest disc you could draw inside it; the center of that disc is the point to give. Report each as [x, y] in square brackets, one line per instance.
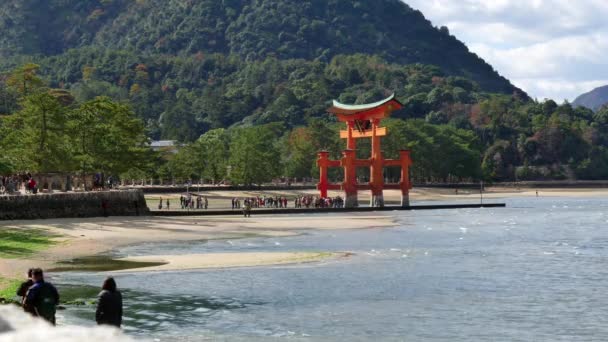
[87, 237]
[225, 260]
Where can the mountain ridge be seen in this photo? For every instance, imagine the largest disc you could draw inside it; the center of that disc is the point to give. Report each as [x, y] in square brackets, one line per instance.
[252, 29]
[594, 100]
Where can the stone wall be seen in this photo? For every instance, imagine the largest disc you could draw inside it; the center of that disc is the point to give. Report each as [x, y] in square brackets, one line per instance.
[77, 204]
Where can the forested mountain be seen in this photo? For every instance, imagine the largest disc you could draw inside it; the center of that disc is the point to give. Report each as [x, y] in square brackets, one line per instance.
[209, 71]
[251, 29]
[595, 99]
[190, 66]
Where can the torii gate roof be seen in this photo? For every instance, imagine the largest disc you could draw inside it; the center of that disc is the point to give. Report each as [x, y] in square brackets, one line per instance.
[390, 104]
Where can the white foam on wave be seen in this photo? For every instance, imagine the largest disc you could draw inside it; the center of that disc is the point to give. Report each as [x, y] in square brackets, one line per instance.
[24, 327]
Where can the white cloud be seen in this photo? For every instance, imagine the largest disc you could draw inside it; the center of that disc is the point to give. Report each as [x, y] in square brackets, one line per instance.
[550, 48]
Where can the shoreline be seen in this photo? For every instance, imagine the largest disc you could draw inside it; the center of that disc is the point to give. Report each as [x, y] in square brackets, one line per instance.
[89, 237]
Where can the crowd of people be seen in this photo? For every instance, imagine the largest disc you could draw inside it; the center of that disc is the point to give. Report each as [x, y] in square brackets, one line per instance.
[261, 202]
[186, 202]
[41, 299]
[282, 202]
[319, 202]
[192, 202]
[16, 183]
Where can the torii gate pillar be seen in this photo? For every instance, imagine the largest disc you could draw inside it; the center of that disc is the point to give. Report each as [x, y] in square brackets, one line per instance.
[405, 184]
[376, 172]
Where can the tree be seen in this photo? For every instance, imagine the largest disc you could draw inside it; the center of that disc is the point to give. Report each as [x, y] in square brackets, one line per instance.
[107, 137]
[25, 79]
[213, 150]
[299, 154]
[35, 136]
[253, 159]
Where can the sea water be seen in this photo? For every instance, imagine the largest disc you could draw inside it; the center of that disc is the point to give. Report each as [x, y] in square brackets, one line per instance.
[534, 271]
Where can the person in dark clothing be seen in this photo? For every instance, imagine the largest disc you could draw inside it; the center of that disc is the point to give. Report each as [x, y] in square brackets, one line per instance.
[104, 207]
[22, 290]
[109, 305]
[42, 298]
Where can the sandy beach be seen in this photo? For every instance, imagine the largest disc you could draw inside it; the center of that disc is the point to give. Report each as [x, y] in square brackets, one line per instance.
[87, 237]
[223, 260]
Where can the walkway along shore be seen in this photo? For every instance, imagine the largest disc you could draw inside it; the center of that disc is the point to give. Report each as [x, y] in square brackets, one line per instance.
[226, 212]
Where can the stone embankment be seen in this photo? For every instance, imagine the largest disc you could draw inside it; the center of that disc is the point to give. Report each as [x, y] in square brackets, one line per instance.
[73, 205]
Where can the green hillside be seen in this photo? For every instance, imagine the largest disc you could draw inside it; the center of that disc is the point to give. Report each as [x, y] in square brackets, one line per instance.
[251, 29]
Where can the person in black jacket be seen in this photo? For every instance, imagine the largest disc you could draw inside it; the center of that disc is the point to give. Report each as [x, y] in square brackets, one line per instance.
[42, 298]
[109, 304]
[22, 290]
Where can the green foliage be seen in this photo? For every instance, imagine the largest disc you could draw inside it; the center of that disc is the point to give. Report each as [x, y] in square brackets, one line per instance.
[440, 153]
[51, 133]
[25, 79]
[106, 136]
[253, 159]
[251, 29]
[213, 147]
[35, 137]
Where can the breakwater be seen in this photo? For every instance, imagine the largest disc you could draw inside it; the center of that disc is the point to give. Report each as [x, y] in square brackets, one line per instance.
[73, 205]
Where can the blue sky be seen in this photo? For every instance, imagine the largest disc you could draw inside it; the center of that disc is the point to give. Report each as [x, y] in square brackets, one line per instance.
[554, 49]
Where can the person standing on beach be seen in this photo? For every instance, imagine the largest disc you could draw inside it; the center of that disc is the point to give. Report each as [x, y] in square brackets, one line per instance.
[42, 298]
[247, 208]
[160, 204]
[104, 207]
[168, 204]
[22, 290]
[109, 304]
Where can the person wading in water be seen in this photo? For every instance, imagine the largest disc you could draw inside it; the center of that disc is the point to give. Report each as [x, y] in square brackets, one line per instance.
[42, 298]
[109, 304]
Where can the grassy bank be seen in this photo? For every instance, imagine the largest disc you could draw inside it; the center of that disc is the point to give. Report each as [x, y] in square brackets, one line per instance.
[8, 287]
[20, 243]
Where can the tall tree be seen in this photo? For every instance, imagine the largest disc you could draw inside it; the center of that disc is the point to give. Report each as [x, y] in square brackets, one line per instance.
[35, 136]
[213, 148]
[25, 79]
[107, 137]
[253, 158]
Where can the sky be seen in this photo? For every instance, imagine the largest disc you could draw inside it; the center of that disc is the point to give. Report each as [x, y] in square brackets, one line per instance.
[555, 49]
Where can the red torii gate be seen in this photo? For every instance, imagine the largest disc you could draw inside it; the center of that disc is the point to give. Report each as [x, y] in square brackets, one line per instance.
[363, 121]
